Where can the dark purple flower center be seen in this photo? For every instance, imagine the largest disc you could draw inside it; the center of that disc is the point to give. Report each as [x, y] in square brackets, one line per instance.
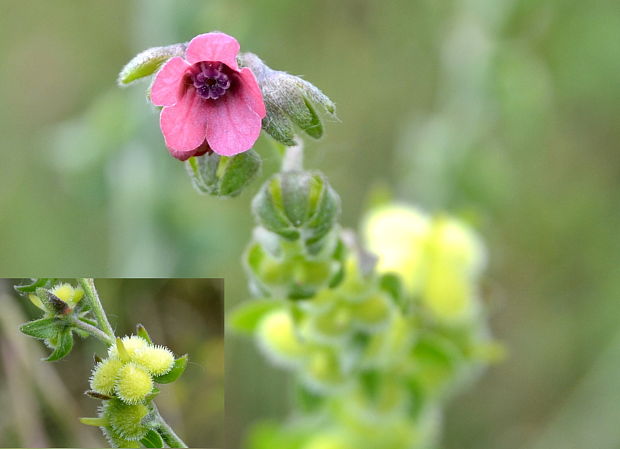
[210, 80]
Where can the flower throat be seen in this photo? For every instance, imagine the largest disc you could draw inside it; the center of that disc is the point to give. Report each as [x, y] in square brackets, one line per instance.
[210, 80]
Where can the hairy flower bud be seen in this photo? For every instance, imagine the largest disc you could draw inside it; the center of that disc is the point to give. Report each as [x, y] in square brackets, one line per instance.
[127, 421]
[223, 176]
[290, 101]
[127, 347]
[278, 339]
[298, 204]
[156, 359]
[147, 62]
[134, 384]
[105, 375]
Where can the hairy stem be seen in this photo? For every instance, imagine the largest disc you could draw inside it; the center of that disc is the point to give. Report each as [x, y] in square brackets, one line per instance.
[166, 432]
[293, 158]
[88, 284]
[92, 330]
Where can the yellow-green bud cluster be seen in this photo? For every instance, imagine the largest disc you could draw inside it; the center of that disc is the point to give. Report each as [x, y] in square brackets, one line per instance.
[296, 250]
[313, 336]
[439, 259]
[380, 350]
[129, 369]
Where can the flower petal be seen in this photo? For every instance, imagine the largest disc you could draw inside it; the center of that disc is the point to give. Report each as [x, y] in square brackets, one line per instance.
[213, 47]
[251, 93]
[232, 126]
[167, 87]
[184, 125]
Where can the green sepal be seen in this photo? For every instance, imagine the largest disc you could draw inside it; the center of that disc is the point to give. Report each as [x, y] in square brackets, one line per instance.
[152, 395]
[223, 176]
[64, 346]
[392, 284]
[174, 373]
[95, 422]
[52, 302]
[141, 332]
[96, 395]
[152, 439]
[43, 328]
[245, 318]
[148, 62]
[31, 288]
[309, 401]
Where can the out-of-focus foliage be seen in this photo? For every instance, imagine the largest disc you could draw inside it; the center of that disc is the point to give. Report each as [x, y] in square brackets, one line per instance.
[46, 399]
[503, 111]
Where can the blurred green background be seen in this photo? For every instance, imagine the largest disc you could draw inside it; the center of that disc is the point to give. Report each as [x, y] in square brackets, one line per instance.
[504, 111]
[42, 401]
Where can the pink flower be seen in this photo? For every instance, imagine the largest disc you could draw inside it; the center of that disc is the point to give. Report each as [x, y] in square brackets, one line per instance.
[209, 103]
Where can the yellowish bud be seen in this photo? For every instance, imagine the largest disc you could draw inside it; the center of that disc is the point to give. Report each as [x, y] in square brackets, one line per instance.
[132, 345]
[104, 376]
[397, 234]
[156, 359]
[278, 339]
[134, 384]
[67, 293]
[126, 420]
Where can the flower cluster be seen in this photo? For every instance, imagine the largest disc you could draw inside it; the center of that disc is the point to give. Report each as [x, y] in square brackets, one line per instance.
[125, 381]
[377, 352]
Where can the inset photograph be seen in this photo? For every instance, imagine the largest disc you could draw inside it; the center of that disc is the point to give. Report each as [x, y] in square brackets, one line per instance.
[112, 362]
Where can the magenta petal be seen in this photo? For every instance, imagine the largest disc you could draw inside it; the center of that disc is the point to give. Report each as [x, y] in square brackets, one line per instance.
[232, 126]
[213, 47]
[249, 90]
[167, 86]
[184, 125]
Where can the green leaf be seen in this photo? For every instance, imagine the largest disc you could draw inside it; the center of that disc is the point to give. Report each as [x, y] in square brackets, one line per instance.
[141, 332]
[34, 284]
[65, 344]
[152, 439]
[43, 328]
[245, 318]
[174, 373]
[147, 62]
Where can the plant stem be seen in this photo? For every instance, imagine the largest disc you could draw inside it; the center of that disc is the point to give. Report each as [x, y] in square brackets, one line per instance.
[166, 432]
[88, 284]
[92, 330]
[293, 159]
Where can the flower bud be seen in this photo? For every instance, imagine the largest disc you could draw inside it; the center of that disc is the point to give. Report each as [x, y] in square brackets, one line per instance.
[223, 176]
[298, 204]
[455, 258]
[156, 359]
[116, 440]
[290, 101]
[68, 294]
[105, 375]
[127, 347]
[397, 235]
[134, 384]
[126, 421]
[148, 62]
[278, 339]
[291, 274]
[323, 371]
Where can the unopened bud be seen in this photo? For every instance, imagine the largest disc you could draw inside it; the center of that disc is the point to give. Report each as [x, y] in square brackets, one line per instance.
[223, 176]
[297, 204]
[290, 102]
[148, 62]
